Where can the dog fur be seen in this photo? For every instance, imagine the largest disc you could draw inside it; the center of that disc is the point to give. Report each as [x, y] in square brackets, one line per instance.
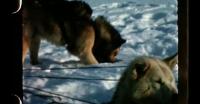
[147, 80]
[69, 24]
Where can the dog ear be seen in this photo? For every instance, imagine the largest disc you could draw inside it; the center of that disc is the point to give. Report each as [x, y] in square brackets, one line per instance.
[140, 68]
[171, 61]
[101, 19]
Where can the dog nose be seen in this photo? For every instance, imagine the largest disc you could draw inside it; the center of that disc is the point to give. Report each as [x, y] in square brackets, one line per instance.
[123, 41]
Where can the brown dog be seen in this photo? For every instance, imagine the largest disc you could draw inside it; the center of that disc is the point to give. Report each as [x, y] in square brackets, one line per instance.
[107, 41]
[68, 23]
[147, 81]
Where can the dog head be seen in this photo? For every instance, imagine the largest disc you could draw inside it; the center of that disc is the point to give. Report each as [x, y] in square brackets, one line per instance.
[149, 81]
[107, 41]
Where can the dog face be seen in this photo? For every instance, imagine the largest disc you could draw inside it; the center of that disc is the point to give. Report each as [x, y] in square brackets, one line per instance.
[107, 41]
[147, 81]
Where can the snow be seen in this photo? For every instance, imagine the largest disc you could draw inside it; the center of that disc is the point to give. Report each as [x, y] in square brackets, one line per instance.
[150, 28]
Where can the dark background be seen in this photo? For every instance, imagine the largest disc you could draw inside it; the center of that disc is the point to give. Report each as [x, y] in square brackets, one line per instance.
[10, 52]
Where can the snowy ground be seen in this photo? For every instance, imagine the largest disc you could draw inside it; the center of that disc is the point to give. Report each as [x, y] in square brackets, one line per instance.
[150, 28]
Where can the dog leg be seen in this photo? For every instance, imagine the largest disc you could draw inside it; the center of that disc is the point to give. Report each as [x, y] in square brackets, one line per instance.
[25, 42]
[34, 48]
[88, 58]
[86, 43]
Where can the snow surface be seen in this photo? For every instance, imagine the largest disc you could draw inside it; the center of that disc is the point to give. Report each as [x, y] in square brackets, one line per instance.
[150, 28]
